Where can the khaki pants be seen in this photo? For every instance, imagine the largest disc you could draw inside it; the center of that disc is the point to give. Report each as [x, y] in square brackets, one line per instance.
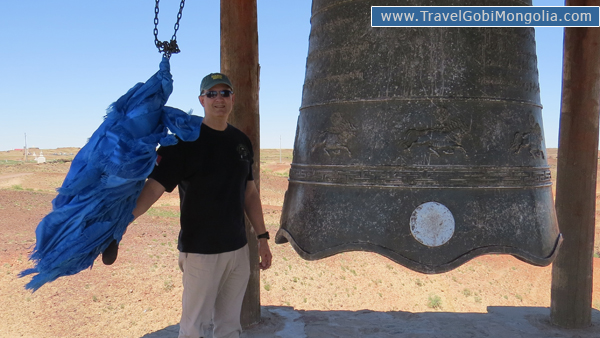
[213, 291]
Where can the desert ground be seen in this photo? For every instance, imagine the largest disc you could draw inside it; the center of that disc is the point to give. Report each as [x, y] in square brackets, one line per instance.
[141, 292]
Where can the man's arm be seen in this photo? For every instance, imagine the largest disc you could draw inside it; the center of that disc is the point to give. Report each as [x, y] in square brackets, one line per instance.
[253, 209]
[150, 193]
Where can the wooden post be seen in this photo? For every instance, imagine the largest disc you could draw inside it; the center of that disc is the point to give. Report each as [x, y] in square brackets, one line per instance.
[239, 61]
[572, 272]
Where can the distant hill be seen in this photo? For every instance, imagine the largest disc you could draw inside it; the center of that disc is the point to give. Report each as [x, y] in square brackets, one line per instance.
[67, 153]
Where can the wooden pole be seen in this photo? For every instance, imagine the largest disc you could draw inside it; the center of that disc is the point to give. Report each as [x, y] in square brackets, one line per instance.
[239, 61]
[572, 271]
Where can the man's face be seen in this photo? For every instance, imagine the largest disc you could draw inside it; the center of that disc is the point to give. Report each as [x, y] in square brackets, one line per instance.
[218, 107]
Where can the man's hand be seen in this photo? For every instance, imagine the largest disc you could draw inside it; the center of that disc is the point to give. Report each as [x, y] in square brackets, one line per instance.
[253, 209]
[264, 253]
[150, 193]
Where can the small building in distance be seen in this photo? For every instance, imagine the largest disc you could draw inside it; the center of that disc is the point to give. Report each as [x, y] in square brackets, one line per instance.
[41, 158]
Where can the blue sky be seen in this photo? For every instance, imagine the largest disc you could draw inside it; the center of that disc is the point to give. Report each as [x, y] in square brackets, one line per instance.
[65, 61]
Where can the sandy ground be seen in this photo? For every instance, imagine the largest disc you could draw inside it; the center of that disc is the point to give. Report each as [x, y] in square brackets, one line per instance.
[140, 294]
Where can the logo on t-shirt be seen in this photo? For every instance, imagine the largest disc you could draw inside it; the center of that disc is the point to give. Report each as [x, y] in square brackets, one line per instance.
[158, 158]
[243, 151]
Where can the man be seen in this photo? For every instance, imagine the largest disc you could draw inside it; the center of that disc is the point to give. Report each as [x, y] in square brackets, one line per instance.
[216, 186]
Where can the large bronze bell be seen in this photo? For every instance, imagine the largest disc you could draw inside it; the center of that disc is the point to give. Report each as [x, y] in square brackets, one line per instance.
[424, 145]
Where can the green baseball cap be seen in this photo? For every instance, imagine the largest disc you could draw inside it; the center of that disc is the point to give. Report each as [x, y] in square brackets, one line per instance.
[214, 79]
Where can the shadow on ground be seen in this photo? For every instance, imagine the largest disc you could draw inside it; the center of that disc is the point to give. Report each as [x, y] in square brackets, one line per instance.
[498, 322]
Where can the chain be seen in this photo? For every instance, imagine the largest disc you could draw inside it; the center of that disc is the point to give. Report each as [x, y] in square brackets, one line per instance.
[167, 47]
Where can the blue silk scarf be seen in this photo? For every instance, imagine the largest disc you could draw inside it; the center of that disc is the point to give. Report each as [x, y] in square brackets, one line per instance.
[95, 203]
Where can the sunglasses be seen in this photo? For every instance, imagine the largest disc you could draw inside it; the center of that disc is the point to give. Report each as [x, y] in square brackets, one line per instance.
[211, 94]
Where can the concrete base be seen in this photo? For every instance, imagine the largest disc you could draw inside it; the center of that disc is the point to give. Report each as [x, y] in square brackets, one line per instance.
[498, 322]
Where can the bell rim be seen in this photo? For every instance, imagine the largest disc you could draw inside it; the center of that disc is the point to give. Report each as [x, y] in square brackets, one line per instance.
[283, 236]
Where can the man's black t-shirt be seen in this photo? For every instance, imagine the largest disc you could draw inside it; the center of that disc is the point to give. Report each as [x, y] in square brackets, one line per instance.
[211, 173]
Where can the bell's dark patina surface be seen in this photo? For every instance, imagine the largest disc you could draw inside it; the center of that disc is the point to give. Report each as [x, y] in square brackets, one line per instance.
[424, 145]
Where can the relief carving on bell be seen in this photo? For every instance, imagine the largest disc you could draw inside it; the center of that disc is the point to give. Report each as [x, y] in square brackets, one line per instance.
[424, 145]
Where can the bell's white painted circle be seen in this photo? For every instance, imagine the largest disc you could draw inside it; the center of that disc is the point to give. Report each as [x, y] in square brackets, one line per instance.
[432, 224]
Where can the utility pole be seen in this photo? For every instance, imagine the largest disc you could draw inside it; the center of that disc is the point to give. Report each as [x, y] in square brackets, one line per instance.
[25, 150]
